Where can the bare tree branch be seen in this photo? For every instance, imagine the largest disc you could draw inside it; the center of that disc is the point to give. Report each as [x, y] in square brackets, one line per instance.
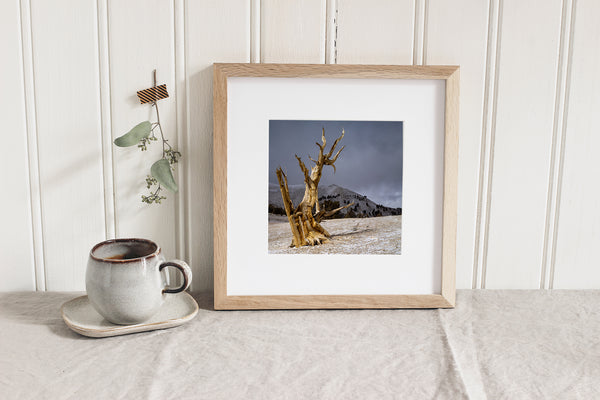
[334, 159]
[304, 170]
[324, 213]
[335, 144]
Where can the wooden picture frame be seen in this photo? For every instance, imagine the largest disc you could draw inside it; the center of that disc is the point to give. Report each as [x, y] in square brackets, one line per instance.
[449, 75]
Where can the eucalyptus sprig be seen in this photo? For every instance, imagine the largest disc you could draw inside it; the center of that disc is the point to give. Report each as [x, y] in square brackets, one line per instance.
[161, 172]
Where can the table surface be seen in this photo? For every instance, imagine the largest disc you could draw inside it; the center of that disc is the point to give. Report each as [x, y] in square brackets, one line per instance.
[494, 344]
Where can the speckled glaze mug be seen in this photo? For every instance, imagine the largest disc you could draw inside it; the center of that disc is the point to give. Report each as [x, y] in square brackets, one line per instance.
[124, 281]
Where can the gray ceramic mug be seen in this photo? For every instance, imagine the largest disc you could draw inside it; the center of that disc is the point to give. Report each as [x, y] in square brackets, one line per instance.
[124, 281]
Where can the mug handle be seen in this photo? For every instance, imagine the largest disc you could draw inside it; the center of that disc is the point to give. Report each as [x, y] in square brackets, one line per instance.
[186, 271]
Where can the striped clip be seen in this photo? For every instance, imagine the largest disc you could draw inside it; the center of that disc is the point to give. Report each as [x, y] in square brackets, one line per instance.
[153, 94]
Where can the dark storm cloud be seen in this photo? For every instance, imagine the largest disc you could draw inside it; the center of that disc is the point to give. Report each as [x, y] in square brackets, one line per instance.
[370, 164]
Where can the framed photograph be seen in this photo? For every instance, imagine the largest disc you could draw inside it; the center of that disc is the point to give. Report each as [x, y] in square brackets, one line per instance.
[335, 186]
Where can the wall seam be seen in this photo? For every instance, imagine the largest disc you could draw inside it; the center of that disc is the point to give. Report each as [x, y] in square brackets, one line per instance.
[554, 147]
[105, 118]
[331, 32]
[562, 144]
[179, 197]
[414, 34]
[112, 128]
[254, 31]
[487, 144]
[418, 27]
[179, 72]
[492, 145]
[424, 32]
[482, 150]
[35, 187]
[336, 33]
[185, 109]
[323, 31]
[261, 36]
[27, 153]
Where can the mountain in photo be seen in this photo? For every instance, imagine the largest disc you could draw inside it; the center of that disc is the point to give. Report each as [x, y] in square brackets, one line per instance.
[330, 198]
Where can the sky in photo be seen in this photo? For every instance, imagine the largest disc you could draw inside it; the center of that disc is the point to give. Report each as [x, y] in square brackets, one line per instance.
[370, 164]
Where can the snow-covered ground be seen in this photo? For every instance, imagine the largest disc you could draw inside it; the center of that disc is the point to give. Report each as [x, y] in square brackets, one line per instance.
[378, 235]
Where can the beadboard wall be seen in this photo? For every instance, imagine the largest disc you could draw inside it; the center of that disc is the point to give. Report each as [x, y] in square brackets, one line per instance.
[529, 187]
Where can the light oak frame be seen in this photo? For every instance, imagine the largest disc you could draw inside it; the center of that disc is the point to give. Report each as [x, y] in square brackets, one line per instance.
[447, 297]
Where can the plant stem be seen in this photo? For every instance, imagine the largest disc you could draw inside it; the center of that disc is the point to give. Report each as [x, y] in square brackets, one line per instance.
[158, 189]
[168, 153]
[165, 142]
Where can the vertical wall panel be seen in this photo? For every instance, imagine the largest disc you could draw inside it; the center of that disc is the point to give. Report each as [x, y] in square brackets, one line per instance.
[16, 238]
[456, 35]
[106, 119]
[523, 133]
[579, 213]
[216, 31]
[70, 149]
[141, 37]
[293, 31]
[181, 207]
[419, 28]
[378, 32]
[255, 31]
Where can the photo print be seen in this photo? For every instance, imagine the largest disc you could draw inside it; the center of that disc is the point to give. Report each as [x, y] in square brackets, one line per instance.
[335, 187]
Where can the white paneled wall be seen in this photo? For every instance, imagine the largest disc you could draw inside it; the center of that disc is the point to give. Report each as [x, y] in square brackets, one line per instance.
[578, 204]
[16, 235]
[457, 35]
[522, 135]
[292, 31]
[64, 43]
[378, 32]
[529, 208]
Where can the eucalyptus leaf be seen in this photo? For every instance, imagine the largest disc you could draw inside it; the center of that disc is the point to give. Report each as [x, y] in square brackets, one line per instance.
[137, 133]
[161, 171]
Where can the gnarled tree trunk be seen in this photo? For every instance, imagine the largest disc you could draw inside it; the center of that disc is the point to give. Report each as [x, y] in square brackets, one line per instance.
[305, 226]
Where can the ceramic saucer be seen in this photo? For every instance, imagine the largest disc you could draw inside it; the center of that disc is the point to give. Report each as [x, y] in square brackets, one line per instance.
[81, 317]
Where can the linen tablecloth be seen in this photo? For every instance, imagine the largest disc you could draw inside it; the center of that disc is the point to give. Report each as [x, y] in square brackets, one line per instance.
[494, 344]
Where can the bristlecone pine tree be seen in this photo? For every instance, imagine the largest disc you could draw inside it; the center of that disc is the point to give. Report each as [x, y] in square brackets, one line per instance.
[305, 225]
